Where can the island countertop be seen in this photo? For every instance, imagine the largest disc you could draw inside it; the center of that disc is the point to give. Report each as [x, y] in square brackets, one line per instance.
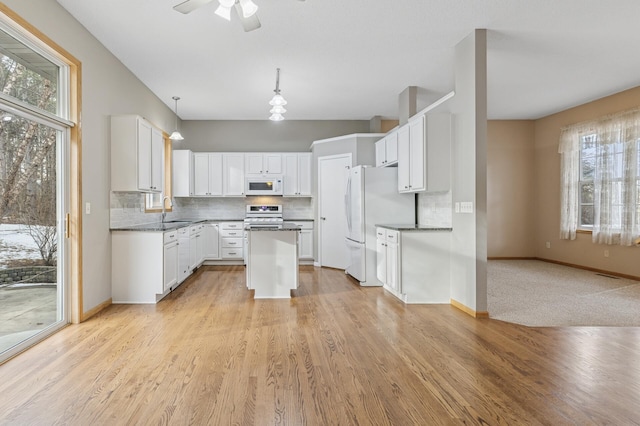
[412, 227]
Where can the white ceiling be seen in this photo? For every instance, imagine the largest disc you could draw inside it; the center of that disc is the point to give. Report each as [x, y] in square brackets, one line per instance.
[349, 59]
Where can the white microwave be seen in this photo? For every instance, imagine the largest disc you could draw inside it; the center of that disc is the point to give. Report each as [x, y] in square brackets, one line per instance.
[261, 185]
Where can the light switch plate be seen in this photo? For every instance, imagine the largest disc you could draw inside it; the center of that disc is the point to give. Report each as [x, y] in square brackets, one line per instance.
[466, 207]
[457, 207]
[87, 208]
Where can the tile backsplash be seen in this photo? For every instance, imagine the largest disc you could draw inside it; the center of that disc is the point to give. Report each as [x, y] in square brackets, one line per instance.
[435, 209]
[127, 209]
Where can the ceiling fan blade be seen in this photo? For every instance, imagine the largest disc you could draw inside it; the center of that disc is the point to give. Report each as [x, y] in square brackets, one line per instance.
[249, 24]
[190, 5]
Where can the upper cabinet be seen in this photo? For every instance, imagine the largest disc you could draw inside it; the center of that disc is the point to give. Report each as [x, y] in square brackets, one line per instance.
[297, 174]
[267, 163]
[211, 174]
[207, 174]
[387, 150]
[424, 154]
[233, 174]
[137, 155]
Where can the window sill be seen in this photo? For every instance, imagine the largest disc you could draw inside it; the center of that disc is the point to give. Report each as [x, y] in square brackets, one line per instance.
[584, 231]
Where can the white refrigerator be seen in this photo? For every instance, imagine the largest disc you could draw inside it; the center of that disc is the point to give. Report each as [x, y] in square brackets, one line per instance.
[371, 198]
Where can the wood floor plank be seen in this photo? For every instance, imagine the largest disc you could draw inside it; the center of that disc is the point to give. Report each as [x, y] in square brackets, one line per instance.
[336, 353]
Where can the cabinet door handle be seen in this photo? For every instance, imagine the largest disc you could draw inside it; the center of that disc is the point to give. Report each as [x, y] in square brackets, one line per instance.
[323, 218]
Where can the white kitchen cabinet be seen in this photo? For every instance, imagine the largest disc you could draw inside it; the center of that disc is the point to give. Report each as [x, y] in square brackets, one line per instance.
[387, 150]
[297, 174]
[424, 154]
[233, 174]
[207, 174]
[183, 254]
[211, 236]
[263, 163]
[231, 240]
[413, 265]
[137, 155]
[182, 173]
[138, 270]
[305, 239]
[170, 259]
[387, 259]
[196, 246]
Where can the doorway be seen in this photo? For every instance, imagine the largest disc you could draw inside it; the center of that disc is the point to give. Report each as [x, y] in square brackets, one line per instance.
[332, 178]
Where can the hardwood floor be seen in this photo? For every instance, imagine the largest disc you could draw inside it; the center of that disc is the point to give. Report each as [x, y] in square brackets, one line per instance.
[335, 354]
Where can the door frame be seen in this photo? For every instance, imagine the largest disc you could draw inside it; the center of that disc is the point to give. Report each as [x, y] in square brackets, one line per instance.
[318, 220]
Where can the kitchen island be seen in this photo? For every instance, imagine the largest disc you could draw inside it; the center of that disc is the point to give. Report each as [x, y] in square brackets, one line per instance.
[272, 260]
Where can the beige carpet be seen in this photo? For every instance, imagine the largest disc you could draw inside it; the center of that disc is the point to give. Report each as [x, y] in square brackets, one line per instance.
[536, 293]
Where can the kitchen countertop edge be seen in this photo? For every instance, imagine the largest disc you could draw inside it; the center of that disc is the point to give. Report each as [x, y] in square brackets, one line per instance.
[412, 227]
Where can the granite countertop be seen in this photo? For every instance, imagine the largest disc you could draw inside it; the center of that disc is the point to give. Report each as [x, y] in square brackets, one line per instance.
[412, 227]
[286, 226]
[170, 225]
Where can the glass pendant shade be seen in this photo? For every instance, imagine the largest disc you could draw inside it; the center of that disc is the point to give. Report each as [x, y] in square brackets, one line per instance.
[277, 100]
[224, 12]
[176, 136]
[278, 109]
[276, 117]
[249, 8]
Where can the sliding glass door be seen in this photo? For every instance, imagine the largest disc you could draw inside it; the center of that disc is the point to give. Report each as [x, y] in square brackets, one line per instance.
[34, 141]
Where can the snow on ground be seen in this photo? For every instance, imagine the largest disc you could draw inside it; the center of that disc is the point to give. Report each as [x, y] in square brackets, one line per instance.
[16, 243]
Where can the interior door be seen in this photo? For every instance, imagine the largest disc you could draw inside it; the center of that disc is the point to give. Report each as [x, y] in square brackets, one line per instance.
[332, 175]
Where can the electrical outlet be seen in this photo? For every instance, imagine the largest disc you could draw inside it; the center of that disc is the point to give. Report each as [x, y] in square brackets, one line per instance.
[606, 253]
[457, 207]
[548, 244]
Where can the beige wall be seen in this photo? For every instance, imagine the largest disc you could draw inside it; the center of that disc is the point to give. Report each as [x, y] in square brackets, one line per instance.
[623, 260]
[510, 187]
[523, 174]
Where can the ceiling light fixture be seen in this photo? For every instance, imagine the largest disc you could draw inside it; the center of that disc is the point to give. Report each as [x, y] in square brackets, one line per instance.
[277, 102]
[176, 136]
[249, 8]
[224, 10]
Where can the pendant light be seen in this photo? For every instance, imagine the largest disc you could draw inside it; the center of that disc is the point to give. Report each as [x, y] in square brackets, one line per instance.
[277, 102]
[176, 136]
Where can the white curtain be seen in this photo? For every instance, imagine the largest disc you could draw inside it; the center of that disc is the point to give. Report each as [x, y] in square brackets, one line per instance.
[616, 216]
[616, 180]
[570, 178]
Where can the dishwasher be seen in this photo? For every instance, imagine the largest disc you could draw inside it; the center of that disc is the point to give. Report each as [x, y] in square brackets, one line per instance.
[183, 253]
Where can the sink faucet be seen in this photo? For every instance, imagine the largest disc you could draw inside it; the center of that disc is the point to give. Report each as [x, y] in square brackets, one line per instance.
[164, 212]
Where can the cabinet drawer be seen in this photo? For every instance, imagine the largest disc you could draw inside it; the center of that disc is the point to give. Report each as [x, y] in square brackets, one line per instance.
[392, 236]
[381, 233]
[170, 236]
[234, 233]
[232, 253]
[232, 225]
[232, 242]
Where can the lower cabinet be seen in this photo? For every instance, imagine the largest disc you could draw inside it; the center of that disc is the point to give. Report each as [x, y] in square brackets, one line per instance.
[414, 265]
[143, 267]
[211, 237]
[305, 239]
[387, 264]
[170, 260]
[232, 240]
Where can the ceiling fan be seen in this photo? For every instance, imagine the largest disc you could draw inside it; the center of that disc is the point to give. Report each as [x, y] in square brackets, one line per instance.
[245, 9]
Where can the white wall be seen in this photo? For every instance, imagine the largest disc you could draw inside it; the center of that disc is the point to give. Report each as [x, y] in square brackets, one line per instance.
[469, 236]
[108, 88]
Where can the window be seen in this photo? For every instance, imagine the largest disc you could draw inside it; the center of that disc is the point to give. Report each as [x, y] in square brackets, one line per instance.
[601, 179]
